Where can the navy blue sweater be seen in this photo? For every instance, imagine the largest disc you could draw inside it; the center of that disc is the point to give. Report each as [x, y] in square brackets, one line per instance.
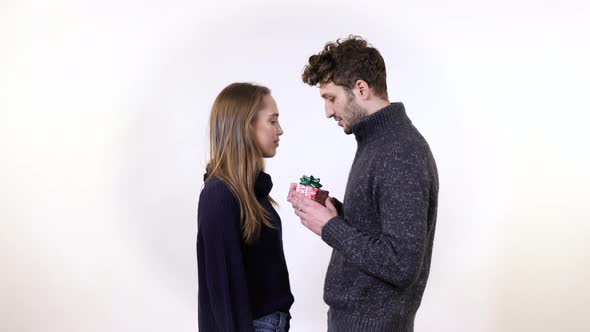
[238, 282]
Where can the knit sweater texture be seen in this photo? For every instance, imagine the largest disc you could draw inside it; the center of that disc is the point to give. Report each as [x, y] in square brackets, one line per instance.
[382, 240]
[238, 282]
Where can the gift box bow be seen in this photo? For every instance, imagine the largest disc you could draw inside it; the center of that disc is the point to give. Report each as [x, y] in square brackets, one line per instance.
[310, 181]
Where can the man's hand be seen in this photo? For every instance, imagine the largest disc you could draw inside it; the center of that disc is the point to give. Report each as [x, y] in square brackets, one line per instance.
[312, 214]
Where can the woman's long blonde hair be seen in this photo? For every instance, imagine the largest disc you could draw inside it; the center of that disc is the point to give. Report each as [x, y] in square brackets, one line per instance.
[235, 158]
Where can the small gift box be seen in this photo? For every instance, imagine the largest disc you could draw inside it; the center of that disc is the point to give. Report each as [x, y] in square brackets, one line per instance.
[310, 187]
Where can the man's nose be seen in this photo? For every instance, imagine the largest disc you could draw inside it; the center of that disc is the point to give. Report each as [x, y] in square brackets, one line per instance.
[329, 112]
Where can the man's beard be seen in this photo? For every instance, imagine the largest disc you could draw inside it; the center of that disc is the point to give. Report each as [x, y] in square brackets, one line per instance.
[354, 114]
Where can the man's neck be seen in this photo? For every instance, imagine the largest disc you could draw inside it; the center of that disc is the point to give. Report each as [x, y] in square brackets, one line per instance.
[376, 105]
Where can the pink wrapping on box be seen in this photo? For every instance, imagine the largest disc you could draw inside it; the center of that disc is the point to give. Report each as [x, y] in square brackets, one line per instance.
[316, 194]
[308, 191]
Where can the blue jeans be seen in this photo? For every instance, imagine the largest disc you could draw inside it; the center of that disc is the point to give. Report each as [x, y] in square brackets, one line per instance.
[275, 322]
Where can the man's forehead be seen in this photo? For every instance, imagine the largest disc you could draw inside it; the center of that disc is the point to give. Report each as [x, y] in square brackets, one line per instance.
[328, 88]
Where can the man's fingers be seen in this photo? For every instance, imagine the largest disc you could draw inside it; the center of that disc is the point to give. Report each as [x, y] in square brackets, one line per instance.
[303, 222]
[299, 195]
[330, 205]
[299, 213]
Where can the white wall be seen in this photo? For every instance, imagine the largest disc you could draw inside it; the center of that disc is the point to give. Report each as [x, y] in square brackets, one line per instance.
[103, 143]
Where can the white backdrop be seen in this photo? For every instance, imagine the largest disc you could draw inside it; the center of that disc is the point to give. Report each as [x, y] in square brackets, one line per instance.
[104, 108]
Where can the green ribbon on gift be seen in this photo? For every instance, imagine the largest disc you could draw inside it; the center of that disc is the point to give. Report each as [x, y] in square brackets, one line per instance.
[310, 181]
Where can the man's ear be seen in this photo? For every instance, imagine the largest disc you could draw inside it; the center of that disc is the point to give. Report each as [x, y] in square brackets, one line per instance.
[362, 89]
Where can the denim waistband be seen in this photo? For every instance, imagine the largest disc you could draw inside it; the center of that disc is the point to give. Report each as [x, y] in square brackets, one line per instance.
[277, 318]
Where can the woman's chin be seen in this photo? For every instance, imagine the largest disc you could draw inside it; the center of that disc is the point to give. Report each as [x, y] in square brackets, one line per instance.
[270, 154]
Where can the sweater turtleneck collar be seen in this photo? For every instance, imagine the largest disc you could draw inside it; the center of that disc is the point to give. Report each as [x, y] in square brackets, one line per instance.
[375, 123]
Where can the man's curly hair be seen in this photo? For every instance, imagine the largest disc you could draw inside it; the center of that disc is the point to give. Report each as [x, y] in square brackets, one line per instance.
[346, 61]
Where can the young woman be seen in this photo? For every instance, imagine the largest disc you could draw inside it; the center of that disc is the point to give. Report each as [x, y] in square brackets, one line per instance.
[243, 277]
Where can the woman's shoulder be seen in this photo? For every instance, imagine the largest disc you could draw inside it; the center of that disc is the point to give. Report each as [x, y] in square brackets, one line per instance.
[217, 208]
[217, 190]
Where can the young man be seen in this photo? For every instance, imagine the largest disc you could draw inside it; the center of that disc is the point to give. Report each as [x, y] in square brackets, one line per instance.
[382, 234]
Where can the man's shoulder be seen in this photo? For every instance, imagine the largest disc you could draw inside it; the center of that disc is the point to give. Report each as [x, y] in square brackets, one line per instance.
[401, 149]
[404, 156]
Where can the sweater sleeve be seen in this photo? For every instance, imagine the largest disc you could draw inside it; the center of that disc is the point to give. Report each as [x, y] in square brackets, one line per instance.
[394, 255]
[219, 225]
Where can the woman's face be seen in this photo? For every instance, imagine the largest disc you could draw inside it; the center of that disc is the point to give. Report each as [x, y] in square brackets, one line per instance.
[267, 128]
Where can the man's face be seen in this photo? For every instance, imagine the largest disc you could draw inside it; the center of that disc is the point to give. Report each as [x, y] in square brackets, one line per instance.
[342, 106]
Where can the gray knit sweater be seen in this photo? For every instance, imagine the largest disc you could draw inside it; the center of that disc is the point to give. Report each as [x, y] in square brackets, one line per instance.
[383, 238]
